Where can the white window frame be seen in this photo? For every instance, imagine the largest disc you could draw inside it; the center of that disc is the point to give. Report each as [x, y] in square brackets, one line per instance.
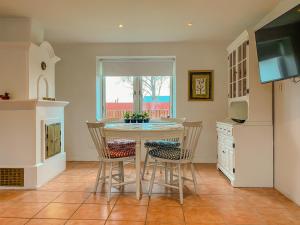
[137, 96]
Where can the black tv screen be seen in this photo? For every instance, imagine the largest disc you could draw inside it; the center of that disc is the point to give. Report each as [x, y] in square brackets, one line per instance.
[278, 47]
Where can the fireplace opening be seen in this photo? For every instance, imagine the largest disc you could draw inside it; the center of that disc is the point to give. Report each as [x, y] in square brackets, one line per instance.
[53, 139]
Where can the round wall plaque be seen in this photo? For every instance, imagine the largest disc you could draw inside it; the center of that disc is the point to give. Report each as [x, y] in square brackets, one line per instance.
[43, 65]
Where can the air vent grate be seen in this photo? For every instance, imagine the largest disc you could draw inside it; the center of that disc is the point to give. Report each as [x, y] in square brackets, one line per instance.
[12, 177]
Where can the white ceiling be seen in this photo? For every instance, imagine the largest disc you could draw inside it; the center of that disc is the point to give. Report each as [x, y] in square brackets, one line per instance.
[144, 20]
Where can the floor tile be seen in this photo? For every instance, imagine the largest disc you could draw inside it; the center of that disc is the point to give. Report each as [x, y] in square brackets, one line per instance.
[214, 189]
[22, 210]
[93, 212]
[198, 201]
[132, 213]
[203, 215]
[5, 205]
[130, 199]
[101, 198]
[227, 201]
[264, 201]
[46, 222]
[58, 211]
[164, 223]
[294, 210]
[13, 221]
[165, 214]
[72, 197]
[120, 222]
[164, 200]
[38, 196]
[85, 222]
[7, 195]
[212, 224]
[278, 216]
[241, 216]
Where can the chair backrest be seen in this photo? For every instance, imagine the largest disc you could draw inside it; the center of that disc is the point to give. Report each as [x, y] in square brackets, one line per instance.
[192, 131]
[175, 120]
[97, 134]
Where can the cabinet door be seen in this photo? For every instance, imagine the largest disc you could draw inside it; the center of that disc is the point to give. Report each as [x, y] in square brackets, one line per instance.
[232, 73]
[243, 63]
[220, 149]
[231, 160]
[238, 71]
[225, 158]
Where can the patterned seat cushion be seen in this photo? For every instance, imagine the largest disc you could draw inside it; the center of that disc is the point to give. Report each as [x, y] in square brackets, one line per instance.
[121, 148]
[163, 153]
[162, 144]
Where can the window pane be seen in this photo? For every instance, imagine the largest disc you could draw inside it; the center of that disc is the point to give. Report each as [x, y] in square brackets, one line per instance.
[119, 96]
[156, 92]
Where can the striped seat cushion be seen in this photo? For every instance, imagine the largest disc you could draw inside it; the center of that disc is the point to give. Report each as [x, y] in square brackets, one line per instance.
[162, 144]
[121, 148]
[163, 153]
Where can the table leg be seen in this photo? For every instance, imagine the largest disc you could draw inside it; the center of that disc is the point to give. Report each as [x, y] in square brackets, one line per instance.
[138, 168]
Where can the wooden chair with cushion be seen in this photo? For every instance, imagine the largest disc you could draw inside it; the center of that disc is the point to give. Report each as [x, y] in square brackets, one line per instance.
[178, 156]
[111, 151]
[166, 144]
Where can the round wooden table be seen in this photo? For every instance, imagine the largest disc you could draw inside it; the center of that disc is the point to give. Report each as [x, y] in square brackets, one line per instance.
[141, 132]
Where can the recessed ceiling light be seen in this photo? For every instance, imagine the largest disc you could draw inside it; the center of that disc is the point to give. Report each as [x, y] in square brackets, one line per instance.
[190, 24]
[120, 25]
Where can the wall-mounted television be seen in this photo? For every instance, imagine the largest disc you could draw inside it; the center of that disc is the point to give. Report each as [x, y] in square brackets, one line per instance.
[278, 47]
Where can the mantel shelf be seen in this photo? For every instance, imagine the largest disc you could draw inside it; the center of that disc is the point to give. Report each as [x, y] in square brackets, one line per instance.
[29, 104]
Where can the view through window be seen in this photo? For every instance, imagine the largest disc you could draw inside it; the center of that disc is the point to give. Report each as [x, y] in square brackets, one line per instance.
[151, 94]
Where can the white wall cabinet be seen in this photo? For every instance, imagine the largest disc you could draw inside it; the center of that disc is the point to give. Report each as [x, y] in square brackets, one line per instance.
[245, 150]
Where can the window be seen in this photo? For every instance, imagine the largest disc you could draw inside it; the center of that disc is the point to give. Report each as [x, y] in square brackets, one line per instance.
[136, 85]
[156, 95]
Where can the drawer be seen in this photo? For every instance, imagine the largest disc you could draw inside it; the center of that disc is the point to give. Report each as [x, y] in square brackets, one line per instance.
[228, 131]
[223, 129]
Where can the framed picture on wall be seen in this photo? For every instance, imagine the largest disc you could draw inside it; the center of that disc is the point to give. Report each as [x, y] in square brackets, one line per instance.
[201, 85]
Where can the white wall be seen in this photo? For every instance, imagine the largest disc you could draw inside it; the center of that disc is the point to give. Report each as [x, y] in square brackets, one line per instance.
[14, 70]
[20, 29]
[76, 77]
[287, 125]
[287, 143]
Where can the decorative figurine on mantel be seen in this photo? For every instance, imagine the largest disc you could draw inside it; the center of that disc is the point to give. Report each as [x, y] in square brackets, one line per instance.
[5, 96]
[48, 99]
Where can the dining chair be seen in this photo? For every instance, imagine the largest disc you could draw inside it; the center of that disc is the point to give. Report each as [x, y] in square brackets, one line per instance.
[179, 156]
[165, 143]
[110, 151]
[120, 165]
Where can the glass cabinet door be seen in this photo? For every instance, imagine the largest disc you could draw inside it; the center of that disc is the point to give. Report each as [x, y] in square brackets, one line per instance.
[242, 63]
[238, 71]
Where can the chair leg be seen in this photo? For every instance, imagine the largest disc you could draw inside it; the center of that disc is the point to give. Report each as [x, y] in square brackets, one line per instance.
[145, 163]
[98, 177]
[194, 177]
[103, 172]
[180, 184]
[166, 173]
[152, 178]
[121, 172]
[171, 174]
[110, 180]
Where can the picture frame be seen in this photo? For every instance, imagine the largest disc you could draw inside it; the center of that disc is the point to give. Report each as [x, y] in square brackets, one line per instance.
[201, 85]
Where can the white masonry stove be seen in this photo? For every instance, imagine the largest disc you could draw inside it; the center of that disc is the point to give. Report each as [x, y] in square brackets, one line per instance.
[31, 129]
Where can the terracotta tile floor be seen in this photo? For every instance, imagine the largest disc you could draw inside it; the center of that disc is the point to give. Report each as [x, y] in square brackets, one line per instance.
[67, 199]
